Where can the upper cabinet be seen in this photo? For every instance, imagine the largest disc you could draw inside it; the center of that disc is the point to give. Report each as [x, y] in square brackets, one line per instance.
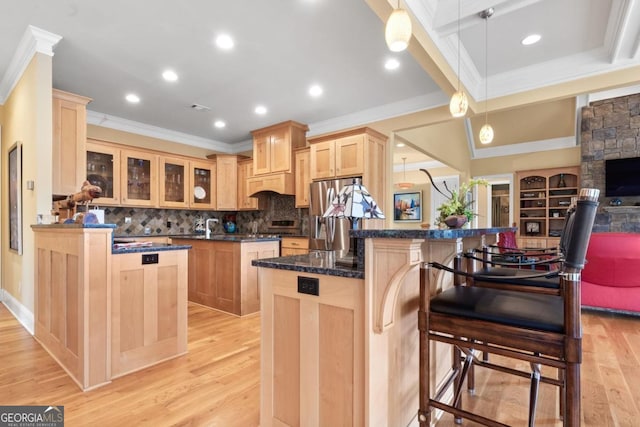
[145, 178]
[303, 177]
[69, 140]
[174, 182]
[245, 171]
[355, 153]
[103, 170]
[203, 178]
[335, 158]
[139, 178]
[226, 182]
[273, 147]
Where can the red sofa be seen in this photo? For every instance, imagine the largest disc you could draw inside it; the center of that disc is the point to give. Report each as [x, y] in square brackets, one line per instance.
[611, 276]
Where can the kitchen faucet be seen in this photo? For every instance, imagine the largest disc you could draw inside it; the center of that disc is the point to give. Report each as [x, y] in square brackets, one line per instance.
[207, 228]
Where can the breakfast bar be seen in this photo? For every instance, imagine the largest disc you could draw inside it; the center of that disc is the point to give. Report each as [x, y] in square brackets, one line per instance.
[340, 344]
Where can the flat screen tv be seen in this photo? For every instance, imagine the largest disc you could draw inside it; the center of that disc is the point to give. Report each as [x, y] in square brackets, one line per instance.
[622, 177]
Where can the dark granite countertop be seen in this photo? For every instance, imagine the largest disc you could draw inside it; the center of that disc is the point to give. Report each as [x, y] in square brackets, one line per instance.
[74, 225]
[448, 233]
[156, 247]
[229, 238]
[319, 262]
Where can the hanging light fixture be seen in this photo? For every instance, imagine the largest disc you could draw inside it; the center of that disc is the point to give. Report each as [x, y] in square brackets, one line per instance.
[397, 32]
[404, 185]
[459, 102]
[486, 132]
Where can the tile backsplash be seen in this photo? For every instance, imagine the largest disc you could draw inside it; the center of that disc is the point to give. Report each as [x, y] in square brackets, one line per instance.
[182, 221]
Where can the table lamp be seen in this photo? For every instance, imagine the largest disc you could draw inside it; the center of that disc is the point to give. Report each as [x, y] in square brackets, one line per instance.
[354, 203]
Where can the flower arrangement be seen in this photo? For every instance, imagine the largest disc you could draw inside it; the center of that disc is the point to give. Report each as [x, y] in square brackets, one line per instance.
[458, 204]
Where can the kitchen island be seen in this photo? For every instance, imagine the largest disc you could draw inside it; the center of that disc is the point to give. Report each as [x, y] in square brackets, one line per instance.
[220, 272]
[103, 312]
[339, 345]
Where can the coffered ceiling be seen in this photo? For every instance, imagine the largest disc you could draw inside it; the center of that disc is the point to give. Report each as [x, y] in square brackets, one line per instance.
[111, 48]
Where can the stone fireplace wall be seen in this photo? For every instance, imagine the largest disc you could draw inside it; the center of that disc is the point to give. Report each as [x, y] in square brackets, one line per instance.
[610, 129]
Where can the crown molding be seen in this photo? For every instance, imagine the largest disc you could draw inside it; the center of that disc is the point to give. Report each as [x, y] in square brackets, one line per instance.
[383, 112]
[118, 123]
[34, 40]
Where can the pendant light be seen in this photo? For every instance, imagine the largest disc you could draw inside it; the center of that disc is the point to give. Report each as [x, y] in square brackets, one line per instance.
[486, 132]
[404, 185]
[459, 102]
[397, 32]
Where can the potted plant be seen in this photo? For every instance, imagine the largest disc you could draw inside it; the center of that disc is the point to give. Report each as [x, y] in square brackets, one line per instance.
[456, 211]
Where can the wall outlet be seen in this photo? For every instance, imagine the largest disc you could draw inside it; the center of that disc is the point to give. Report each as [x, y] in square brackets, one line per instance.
[168, 224]
[308, 285]
[127, 220]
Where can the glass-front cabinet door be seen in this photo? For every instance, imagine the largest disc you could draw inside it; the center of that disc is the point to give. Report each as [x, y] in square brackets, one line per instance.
[139, 178]
[202, 183]
[103, 170]
[174, 182]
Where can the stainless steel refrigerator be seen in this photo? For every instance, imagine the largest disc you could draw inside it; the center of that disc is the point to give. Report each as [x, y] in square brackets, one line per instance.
[327, 233]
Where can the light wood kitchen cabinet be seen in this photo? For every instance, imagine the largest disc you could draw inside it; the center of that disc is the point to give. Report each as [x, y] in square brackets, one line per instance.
[103, 170]
[280, 183]
[221, 275]
[338, 158]
[226, 182]
[302, 177]
[149, 306]
[273, 147]
[203, 175]
[357, 152]
[245, 171]
[543, 196]
[312, 351]
[294, 246]
[69, 139]
[174, 182]
[139, 178]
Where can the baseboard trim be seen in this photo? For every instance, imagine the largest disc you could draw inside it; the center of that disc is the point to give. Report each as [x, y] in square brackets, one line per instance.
[19, 311]
[612, 311]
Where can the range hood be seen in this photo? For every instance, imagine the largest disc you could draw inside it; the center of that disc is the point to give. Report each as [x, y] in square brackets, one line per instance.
[281, 183]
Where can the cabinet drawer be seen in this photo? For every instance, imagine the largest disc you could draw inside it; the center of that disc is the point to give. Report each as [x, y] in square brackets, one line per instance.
[295, 242]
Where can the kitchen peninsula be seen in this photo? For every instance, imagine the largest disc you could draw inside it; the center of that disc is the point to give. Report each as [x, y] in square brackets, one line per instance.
[340, 345]
[102, 312]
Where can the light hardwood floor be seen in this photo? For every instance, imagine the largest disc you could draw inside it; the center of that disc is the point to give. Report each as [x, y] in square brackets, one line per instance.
[217, 383]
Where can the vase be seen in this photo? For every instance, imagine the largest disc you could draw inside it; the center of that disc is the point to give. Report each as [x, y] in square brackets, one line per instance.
[455, 221]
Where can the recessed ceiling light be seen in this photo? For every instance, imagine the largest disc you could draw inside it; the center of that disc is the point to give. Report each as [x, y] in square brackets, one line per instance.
[261, 109]
[132, 98]
[170, 75]
[392, 64]
[224, 41]
[315, 91]
[219, 124]
[531, 39]
[400, 144]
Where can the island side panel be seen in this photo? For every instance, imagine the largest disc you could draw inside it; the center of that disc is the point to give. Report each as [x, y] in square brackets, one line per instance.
[149, 310]
[249, 285]
[312, 350]
[72, 286]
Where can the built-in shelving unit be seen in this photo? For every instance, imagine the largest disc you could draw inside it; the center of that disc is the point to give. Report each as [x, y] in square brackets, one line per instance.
[543, 197]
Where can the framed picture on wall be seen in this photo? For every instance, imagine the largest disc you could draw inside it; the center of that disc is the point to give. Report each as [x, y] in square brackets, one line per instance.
[15, 197]
[407, 206]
